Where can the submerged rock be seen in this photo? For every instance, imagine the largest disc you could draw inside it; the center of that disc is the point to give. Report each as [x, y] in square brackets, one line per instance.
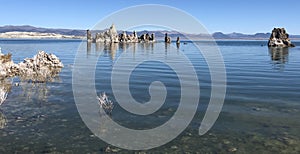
[105, 103]
[232, 149]
[279, 38]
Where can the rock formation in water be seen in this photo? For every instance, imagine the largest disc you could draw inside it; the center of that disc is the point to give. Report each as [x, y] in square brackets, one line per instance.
[89, 36]
[109, 36]
[7, 67]
[178, 40]
[147, 38]
[133, 38]
[142, 38]
[279, 38]
[105, 103]
[41, 68]
[167, 38]
[152, 38]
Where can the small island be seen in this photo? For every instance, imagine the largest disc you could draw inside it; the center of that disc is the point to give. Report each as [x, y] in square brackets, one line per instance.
[111, 36]
[279, 38]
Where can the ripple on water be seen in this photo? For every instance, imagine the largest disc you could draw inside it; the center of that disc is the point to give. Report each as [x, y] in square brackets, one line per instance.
[260, 113]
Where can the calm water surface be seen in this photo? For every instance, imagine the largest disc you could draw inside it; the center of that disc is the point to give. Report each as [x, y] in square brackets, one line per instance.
[261, 111]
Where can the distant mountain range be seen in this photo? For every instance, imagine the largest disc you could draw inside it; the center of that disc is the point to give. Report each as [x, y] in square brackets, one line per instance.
[158, 34]
[27, 28]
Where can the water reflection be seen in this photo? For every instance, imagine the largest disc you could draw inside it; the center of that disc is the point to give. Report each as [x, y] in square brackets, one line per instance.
[279, 57]
[122, 47]
[167, 46]
[37, 91]
[98, 46]
[88, 48]
[5, 87]
[112, 49]
[178, 45]
[147, 46]
[3, 120]
[32, 91]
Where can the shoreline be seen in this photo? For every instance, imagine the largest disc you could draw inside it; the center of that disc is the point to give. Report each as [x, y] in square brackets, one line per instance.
[36, 35]
[158, 40]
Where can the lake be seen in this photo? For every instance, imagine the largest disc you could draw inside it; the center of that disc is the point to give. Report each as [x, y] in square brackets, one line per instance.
[260, 114]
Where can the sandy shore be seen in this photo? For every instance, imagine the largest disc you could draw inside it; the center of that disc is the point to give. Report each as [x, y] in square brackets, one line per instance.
[37, 35]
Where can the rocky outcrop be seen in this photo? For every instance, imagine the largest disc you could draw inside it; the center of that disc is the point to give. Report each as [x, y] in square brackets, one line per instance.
[89, 36]
[130, 38]
[279, 38]
[7, 67]
[105, 103]
[109, 36]
[152, 38]
[167, 38]
[135, 37]
[178, 40]
[147, 38]
[42, 67]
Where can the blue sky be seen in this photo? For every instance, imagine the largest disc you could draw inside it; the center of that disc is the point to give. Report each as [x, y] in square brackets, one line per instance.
[225, 16]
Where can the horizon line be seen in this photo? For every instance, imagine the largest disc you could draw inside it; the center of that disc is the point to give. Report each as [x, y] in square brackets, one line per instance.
[234, 32]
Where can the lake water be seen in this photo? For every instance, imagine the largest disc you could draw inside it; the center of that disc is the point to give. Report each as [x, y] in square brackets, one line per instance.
[260, 114]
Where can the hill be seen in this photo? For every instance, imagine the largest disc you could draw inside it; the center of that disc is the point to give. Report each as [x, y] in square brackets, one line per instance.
[27, 28]
[77, 33]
